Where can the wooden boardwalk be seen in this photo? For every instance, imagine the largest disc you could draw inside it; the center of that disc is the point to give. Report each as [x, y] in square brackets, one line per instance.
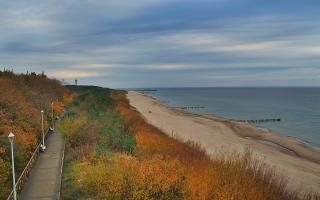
[45, 178]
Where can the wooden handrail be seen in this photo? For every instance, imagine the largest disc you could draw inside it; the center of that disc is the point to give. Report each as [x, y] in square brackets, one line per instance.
[24, 175]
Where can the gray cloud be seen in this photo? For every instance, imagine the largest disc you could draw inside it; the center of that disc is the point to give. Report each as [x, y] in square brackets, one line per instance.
[164, 43]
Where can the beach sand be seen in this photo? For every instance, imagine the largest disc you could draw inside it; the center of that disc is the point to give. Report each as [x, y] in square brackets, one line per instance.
[292, 159]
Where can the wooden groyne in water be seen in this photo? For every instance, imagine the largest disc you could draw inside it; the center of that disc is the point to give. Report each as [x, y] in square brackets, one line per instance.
[245, 120]
[260, 120]
[189, 107]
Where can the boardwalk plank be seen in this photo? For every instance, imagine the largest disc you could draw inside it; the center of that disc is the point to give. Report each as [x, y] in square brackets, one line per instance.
[45, 178]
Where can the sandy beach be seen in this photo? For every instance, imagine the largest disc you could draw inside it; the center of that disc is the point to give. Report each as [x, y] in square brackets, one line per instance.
[291, 158]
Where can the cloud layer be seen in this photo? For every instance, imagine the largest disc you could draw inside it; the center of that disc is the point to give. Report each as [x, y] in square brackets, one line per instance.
[162, 43]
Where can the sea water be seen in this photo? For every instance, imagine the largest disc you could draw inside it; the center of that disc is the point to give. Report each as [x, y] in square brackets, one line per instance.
[298, 108]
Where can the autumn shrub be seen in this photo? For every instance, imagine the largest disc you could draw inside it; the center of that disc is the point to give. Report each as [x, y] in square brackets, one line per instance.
[107, 178]
[22, 96]
[134, 160]
[121, 176]
[4, 177]
[81, 135]
[93, 99]
[92, 129]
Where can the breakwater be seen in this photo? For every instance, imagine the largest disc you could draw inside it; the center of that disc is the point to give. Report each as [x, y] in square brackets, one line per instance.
[189, 107]
[260, 120]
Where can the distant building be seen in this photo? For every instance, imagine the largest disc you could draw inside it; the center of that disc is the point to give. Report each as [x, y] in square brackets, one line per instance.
[76, 81]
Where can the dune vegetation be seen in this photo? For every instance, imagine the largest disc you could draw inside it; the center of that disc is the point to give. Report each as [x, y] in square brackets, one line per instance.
[112, 153]
[21, 99]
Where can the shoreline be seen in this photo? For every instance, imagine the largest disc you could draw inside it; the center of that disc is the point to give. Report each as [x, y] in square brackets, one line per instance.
[309, 144]
[296, 145]
[291, 158]
[293, 141]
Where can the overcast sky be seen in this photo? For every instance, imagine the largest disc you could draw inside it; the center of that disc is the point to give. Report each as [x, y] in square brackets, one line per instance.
[164, 43]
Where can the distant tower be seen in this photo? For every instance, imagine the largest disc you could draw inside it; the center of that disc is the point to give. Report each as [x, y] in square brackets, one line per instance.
[76, 81]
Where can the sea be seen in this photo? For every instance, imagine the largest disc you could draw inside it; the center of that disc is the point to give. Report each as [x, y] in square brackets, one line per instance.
[297, 108]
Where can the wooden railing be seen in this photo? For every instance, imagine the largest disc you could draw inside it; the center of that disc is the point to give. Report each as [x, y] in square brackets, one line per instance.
[26, 171]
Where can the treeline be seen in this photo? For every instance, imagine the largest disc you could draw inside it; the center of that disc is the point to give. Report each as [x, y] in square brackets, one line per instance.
[112, 153]
[22, 96]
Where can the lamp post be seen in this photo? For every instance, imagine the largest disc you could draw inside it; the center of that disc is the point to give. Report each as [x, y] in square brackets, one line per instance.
[43, 147]
[11, 136]
[52, 116]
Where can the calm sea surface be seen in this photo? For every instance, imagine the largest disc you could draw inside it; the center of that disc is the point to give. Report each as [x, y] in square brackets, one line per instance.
[298, 108]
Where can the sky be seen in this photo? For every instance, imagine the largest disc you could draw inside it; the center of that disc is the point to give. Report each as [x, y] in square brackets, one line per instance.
[164, 43]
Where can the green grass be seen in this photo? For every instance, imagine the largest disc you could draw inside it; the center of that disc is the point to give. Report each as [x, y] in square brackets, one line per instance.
[68, 179]
[91, 110]
[115, 133]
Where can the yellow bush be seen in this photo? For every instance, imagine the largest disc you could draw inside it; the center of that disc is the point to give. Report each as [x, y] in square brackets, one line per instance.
[123, 177]
[82, 135]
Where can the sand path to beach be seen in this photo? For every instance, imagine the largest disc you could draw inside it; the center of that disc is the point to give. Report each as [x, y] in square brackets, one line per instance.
[292, 159]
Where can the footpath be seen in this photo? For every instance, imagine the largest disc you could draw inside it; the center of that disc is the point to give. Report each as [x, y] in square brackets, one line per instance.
[45, 177]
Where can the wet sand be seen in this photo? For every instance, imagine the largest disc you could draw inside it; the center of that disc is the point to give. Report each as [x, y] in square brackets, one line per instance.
[291, 158]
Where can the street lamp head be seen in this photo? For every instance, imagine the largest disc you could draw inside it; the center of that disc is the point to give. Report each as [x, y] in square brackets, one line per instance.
[42, 111]
[11, 136]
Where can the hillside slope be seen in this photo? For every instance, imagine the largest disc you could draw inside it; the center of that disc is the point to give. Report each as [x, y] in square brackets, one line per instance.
[21, 99]
[112, 153]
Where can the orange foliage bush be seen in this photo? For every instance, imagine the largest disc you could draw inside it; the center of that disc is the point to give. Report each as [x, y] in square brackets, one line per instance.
[21, 99]
[123, 177]
[66, 99]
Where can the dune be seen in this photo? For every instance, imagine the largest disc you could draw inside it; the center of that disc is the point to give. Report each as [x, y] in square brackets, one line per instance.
[292, 159]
